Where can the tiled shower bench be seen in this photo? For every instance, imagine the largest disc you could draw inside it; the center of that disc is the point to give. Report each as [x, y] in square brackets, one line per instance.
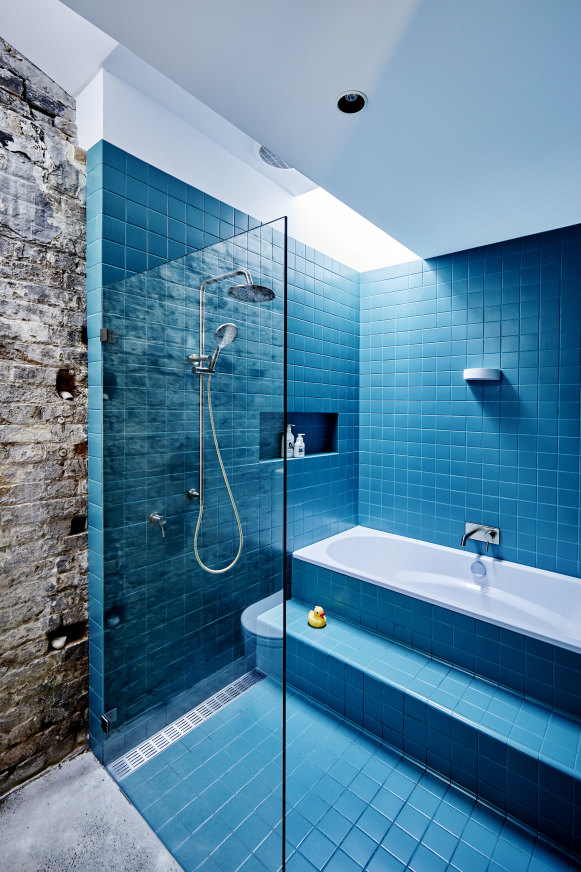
[515, 752]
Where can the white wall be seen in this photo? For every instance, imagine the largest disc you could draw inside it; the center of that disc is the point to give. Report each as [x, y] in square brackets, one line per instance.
[109, 108]
[65, 46]
[90, 112]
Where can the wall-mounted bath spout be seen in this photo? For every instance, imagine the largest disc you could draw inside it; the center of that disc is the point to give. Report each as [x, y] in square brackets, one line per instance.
[481, 533]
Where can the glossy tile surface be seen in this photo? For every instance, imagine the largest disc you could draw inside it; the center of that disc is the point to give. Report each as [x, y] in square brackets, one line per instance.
[537, 669]
[353, 802]
[436, 451]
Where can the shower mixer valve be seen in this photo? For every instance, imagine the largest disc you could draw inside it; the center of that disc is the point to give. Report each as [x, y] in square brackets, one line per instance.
[157, 518]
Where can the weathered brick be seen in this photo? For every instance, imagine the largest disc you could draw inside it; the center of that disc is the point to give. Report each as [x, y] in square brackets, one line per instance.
[11, 83]
[43, 568]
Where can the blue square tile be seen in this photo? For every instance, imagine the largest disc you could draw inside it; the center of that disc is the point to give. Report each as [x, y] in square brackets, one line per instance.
[317, 848]
[342, 862]
[359, 846]
[399, 843]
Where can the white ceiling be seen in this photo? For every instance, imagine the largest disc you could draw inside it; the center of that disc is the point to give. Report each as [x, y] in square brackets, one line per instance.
[139, 109]
[472, 133]
[141, 75]
[473, 128]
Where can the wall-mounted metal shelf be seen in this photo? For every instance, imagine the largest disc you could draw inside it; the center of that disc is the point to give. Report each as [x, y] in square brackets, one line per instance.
[482, 374]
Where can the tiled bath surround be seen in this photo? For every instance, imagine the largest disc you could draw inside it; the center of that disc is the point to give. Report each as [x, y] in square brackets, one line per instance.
[518, 754]
[435, 451]
[536, 669]
[521, 754]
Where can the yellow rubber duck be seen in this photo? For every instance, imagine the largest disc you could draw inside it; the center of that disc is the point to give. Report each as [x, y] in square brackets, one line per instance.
[317, 617]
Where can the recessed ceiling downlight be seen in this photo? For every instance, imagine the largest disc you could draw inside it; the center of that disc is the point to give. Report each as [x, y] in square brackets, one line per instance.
[272, 159]
[351, 102]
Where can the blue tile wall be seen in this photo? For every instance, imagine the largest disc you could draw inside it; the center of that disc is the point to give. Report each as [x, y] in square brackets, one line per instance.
[176, 631]
[435, 451]
[418, 450]
[164, 634]
[536, 669]
[139, 217]
[322, 377]
[173, 625]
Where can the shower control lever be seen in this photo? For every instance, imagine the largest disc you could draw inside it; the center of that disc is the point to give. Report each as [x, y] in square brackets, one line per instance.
[197, 359]
[156, 518]
[193, 494]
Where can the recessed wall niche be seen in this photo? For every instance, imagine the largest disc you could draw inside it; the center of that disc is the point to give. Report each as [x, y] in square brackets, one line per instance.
[319, 428]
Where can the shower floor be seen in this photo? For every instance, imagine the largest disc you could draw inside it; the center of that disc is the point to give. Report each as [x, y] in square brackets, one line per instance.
[354, 804]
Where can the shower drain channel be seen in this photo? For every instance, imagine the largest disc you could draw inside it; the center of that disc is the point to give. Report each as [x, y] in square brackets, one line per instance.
[124, 766]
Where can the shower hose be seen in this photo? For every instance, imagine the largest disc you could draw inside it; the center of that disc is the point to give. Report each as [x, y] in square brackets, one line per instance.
[227, 483]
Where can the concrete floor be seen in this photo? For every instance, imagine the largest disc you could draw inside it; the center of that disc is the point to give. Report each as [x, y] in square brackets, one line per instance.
[74, 818]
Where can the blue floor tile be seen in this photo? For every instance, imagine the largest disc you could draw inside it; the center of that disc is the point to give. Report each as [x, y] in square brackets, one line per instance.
[400, 843]
[317, 848]
[298, 863]
[383, 861]
[230, 854]
[359, 846]
[425, 860]
[341, 862]
[374, 823]
[353, 803]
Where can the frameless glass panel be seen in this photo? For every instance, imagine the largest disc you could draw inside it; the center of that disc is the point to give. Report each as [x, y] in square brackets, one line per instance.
[193, 387]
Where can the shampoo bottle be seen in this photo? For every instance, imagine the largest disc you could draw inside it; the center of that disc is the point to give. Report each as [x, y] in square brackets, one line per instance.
[299, 447]
[288, 442]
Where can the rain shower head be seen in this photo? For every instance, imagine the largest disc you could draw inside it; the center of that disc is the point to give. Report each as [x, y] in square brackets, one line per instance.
[224, 335]
[252, 293]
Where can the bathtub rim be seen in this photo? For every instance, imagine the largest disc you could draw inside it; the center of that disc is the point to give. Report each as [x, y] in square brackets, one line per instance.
[360, 530]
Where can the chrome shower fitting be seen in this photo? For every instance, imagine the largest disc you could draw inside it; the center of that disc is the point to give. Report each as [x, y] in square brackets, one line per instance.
[224, 335]
[480, 533]
[204, 365]
[160, 520]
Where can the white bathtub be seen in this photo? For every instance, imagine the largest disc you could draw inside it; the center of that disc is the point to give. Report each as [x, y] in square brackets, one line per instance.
[541, 604]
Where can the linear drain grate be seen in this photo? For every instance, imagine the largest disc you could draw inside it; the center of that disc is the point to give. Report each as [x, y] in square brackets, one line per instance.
[124, 766]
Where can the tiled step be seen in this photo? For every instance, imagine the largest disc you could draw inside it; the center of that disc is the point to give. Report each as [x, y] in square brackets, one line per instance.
[518, 754]
[547, 673]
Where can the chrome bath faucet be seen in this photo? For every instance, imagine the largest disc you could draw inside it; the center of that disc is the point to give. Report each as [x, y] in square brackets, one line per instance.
[481, 533]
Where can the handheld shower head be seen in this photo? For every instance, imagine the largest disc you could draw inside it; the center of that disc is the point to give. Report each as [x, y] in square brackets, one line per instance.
[224, 335]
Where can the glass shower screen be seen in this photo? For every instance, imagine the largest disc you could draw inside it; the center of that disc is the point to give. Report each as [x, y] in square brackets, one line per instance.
[193, 496]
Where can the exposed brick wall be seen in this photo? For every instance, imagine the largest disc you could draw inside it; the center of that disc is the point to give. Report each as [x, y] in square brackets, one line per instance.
[43, 476]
